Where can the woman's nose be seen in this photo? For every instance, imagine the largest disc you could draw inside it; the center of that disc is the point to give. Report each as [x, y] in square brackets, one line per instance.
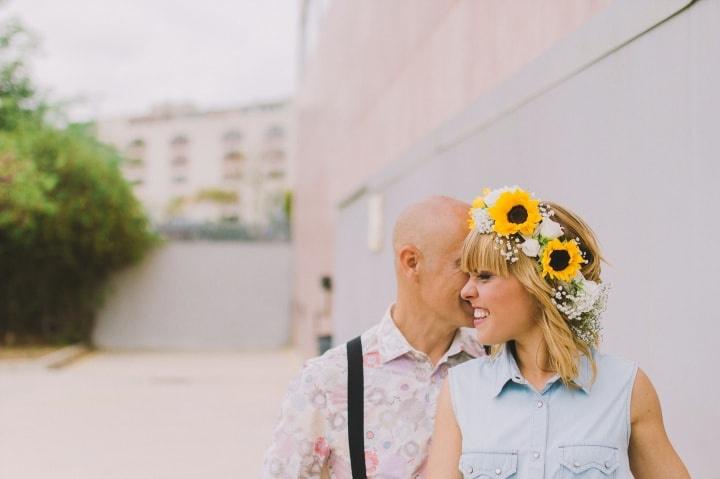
[468, 291]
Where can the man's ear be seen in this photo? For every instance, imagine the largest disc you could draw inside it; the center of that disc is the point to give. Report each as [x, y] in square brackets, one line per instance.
[409, 259]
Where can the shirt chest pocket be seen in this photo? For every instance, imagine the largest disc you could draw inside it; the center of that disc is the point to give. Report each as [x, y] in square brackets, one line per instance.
[588, 462]
[483, 465]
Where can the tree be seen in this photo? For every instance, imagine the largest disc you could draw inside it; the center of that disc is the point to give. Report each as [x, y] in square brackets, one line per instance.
[18, 98]
[68, 219]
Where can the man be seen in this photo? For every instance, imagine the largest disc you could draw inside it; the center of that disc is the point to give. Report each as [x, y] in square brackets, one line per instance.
[405, 358]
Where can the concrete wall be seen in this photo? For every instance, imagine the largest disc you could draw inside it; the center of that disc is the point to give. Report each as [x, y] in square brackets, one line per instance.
[619, 122]
[378, 78]
[200, 296]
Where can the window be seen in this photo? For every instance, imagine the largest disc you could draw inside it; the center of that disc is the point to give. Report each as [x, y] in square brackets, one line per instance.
[134, 153]
[275, 132]
[232, 136]
[232, 174]
[179, 141]
[274, 157]
[134, 162]
[179, 161]
[234, 156]
[137, 143]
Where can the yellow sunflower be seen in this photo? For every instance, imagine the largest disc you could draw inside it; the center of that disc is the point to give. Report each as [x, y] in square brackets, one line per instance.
[515, 212]
[561, 260]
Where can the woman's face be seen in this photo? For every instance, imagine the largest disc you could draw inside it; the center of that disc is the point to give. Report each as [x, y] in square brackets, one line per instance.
[503, 310]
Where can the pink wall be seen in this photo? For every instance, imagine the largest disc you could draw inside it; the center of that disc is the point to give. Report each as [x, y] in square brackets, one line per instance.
[384, 75]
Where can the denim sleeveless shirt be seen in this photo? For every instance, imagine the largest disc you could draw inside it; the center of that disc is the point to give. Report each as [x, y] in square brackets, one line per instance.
[510, 430]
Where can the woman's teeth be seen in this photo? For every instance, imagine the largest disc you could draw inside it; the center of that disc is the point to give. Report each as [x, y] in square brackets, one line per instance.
[480, 313]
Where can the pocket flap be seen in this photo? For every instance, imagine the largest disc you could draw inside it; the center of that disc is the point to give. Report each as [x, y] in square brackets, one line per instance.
[498, 465]
[584, 457]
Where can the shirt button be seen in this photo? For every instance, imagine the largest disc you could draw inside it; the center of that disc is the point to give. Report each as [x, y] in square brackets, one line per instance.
[469, 469]
[607, 465]
[498, 471]
[576, 464]
[536, 455]
[539, 404]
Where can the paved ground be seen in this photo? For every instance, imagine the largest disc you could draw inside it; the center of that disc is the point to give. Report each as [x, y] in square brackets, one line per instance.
[141, 415]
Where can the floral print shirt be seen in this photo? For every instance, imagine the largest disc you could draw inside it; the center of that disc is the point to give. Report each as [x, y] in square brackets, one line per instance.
[401, 389]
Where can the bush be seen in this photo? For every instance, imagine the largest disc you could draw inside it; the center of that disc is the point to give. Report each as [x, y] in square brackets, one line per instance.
[67, 221]
[67, 218]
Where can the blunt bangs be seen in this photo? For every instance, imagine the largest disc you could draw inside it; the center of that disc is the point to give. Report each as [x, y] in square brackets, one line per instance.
[480, 254]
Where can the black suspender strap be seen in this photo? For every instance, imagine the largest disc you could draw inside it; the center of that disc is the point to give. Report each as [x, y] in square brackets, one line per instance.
[356, 396]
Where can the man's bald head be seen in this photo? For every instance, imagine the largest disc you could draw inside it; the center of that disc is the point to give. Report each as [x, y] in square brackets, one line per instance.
[430, 223]
[427, 242]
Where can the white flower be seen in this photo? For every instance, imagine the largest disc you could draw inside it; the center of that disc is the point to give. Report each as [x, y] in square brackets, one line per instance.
[531, 247]
[492, 197]
[550, 229]
[590, 296]
[483, 222]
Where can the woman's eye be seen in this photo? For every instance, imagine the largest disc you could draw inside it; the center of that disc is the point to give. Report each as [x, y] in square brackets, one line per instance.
[484, 275]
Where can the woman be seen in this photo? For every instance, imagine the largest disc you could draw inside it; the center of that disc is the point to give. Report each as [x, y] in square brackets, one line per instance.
[545, 403]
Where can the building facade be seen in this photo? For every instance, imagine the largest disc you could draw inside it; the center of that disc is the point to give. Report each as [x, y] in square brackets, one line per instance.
[190, 166]
[615, 120]
[376, 78]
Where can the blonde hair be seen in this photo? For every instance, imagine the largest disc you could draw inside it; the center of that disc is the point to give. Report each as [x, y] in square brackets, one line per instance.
[563, 348]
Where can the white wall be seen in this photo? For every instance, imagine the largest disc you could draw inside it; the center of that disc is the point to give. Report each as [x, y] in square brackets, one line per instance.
[620, 124]
[200, 296]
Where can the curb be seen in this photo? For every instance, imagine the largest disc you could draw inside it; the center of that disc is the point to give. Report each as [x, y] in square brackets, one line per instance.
[63, 356]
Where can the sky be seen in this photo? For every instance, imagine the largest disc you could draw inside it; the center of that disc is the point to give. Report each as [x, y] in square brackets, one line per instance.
[112, 58]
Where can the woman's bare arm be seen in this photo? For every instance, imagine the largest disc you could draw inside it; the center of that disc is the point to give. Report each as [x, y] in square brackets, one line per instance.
[446, 445]
[651, 454]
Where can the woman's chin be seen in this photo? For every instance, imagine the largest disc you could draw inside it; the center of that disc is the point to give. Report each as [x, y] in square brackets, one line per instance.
[487, 338]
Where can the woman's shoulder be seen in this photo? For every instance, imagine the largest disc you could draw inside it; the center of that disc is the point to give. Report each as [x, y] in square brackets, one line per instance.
[473, 367]
[613, 361]
[614, 369]
[468, 382]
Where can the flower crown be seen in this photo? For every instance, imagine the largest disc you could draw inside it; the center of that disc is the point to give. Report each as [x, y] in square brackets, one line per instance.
[521, 223]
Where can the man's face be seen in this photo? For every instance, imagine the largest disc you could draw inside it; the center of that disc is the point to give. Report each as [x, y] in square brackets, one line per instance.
[441, 281]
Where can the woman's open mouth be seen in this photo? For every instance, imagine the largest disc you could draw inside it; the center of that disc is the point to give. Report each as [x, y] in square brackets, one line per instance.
[479, 316]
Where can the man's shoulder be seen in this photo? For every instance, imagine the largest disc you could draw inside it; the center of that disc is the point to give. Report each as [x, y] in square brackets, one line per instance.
[336, 357]
[333, 358]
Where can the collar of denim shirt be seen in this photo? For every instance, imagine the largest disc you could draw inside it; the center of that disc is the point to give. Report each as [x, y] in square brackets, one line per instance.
[507, 370]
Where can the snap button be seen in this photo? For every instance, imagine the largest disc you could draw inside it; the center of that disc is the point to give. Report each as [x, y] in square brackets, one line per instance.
[498, 471]
[576, 464]
[469, 469]
[607, 465]
[539, 404]
[536, 455]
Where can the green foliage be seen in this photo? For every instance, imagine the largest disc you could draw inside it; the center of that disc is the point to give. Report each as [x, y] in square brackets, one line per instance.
[288, 205]
[176, 206]
[18, 99]
[67, 221]
[67, 217]
[215, 195]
